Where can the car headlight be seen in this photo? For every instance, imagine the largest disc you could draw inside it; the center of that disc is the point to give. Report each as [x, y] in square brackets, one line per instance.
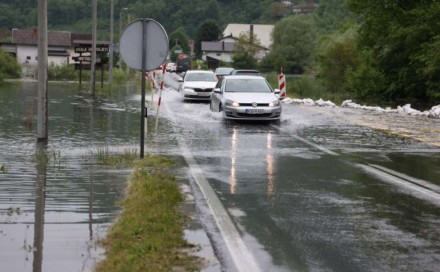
[186, 89]
[231, 103]
[274, 103]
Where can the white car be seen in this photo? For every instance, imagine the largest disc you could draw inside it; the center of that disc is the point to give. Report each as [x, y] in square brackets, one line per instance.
[197, 85]
[246, 97]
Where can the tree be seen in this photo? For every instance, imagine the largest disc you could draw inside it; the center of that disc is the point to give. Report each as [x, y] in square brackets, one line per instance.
[247, 43]
[337, 56]
[179, 37]
[293, 44]
[207, 31]
[243, 60]
[404, 51]
[9, 67]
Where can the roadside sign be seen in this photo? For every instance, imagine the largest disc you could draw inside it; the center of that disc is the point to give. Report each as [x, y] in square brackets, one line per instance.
[85, 49]
[178, 51]
[144, 47]
[85, 58]
[156, 44]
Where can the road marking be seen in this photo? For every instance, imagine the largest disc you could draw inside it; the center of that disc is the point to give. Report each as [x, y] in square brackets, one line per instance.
[429, 195]
[325, 150]
[241, 255]
[418, 187]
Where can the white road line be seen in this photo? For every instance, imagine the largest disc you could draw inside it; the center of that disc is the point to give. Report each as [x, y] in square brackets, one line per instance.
[415, 189]
[419, 188]
[325, 150]
[241, 255]
[421, 182]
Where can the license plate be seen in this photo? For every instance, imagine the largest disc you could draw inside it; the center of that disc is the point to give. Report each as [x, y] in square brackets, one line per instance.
[254, 111]
[204, 94]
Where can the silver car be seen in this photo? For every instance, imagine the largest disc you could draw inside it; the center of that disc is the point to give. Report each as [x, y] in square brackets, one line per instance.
[246, 98]
[197, 85]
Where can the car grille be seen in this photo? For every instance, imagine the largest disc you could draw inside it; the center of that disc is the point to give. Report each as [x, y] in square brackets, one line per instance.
[258, 105]
[253, 115]
[203, 90]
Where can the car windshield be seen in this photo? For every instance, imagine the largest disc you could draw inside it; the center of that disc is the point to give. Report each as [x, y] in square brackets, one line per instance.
[247, 85]
[223, 71]
[200, 77]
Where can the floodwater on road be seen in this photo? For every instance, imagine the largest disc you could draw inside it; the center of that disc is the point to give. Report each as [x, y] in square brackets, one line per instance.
[317, 192]
[56, 201]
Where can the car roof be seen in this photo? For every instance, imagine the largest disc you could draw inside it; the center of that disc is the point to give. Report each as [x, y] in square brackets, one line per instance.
[245, 71]
[199, 71]
[243, 77]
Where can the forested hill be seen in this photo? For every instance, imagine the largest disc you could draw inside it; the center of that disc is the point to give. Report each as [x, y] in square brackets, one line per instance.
[75, 15]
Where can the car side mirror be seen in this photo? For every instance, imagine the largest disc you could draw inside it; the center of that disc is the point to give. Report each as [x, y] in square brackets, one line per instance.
[217, 90]
[277, 91]
[180, 80]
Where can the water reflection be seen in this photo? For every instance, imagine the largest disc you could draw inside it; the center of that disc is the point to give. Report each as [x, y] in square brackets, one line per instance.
[233, 179]
[59, 189]
[40, 202]
[269, 160]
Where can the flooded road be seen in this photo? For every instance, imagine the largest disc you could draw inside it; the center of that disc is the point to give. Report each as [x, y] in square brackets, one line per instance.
[56, 203]
[315, 193]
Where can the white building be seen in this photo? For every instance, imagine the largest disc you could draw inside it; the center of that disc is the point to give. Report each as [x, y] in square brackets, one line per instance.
[222, 50]
[262, 33]
[26, 42]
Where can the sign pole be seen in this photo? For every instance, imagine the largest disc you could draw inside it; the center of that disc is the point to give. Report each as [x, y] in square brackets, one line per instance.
[144, 53]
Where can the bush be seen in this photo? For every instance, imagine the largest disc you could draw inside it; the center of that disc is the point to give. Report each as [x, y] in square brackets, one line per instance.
[243, 60]
[62, 72]
[9, 67]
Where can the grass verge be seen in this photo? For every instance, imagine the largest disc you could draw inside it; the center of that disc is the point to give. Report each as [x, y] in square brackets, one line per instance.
[148, 235]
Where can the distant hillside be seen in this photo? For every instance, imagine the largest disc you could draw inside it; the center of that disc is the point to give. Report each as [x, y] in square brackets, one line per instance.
[75, 15]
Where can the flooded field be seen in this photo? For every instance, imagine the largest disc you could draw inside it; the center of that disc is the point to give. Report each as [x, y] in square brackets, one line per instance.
[56, 202]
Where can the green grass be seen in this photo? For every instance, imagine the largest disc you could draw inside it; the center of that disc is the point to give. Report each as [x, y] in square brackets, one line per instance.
[148, 235]
[114, 158]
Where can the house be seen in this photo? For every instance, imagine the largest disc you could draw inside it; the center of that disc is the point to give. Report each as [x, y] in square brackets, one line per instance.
[218, 50]
[26, 43]
[305, 8]
[263, 33]
[222, 50]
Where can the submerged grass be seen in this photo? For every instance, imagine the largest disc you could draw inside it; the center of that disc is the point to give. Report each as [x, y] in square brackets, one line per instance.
[148, 236]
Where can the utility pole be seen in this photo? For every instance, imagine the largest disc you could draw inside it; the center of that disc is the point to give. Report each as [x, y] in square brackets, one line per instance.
[120, 32]
[93, 64]
[127, 71]
[42, 111]
[110, 67]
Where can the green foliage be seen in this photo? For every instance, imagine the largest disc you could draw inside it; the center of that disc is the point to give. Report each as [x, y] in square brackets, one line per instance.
[207, 31]
[148, 236]
[9, 67]
[293, 44]
[331, 15]
[62, 72]
[243, 60]
[173, 54]
[404, 51]
[367, 82]
[247, 43]
[179, 37]
[337, 54]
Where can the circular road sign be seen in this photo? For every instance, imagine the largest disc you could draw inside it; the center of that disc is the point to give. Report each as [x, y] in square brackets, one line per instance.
[131, 44]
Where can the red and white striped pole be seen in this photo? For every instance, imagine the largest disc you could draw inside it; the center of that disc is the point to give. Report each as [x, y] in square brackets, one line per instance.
[160, 95]
[282, 84]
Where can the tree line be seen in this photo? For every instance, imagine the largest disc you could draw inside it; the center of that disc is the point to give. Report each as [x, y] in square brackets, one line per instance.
[371, 50]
